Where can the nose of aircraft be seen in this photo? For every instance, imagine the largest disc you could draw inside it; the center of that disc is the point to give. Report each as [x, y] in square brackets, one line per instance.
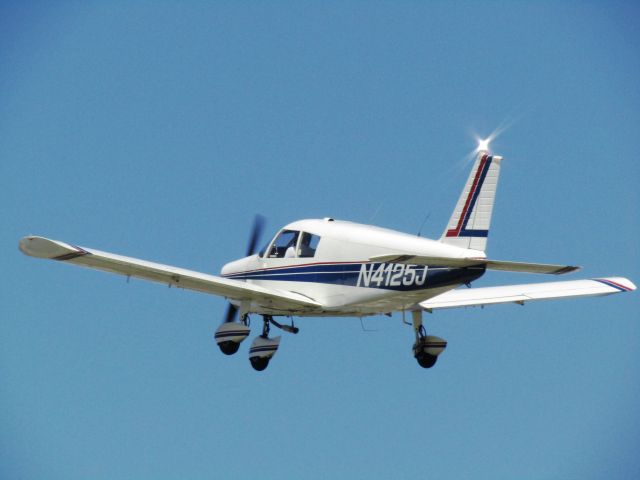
[241, 265]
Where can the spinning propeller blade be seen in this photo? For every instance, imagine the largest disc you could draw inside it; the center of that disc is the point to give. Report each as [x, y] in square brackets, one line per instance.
[232, 311]
[256, 233]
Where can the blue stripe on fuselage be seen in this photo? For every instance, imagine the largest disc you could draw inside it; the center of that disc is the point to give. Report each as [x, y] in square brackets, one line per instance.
[388, 276]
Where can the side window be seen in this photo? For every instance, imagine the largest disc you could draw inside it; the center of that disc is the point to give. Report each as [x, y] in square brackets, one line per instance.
[284, 246]
[308, 245]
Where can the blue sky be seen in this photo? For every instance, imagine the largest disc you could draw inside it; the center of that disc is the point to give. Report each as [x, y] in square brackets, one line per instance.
[157, 130]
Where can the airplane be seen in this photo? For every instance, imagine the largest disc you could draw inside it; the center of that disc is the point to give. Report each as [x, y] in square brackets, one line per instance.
[328, 267]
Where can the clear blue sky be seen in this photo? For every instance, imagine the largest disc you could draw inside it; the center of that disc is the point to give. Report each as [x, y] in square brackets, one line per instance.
[158, 129]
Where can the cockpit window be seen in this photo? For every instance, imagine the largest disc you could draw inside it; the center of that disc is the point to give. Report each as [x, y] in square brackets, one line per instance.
[293, 244]
[308, 245]
[284, 246]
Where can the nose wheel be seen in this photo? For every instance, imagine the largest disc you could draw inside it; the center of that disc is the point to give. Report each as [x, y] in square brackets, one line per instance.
[230, 335]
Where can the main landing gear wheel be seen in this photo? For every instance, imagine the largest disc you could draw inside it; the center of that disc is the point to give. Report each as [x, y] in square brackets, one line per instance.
[425, 360]
[259, 363]
[426, 347]
[263, 348]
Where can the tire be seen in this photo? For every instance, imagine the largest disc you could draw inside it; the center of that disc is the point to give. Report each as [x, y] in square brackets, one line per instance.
[259, 363]
[229, 347]
[426, 360]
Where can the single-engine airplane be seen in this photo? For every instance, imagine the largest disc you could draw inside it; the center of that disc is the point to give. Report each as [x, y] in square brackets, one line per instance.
[327, 267]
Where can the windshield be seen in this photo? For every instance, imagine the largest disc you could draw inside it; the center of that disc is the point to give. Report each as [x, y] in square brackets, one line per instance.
[284, 245]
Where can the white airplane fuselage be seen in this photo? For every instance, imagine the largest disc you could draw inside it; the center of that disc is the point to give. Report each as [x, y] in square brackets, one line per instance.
[339, 275]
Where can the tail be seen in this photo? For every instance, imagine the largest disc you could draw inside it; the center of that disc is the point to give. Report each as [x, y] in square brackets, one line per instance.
[469, 223]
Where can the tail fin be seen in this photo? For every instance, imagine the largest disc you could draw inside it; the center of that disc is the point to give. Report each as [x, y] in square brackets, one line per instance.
[469, 223]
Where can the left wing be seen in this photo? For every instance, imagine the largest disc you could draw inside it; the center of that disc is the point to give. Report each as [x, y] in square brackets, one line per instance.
[41, 247]
[528, 292]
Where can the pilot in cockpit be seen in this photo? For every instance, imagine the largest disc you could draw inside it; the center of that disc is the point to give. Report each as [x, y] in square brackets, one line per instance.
[291, 247]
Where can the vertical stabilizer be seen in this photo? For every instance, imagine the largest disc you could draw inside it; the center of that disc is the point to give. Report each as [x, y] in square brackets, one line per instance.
[469, 224]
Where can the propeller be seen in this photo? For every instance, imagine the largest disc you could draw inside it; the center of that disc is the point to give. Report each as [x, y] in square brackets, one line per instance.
[256, 233]
[232, 311]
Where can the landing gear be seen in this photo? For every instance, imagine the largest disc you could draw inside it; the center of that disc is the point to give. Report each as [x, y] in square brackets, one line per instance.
[229, 335]
[426, 347]
[264, 348]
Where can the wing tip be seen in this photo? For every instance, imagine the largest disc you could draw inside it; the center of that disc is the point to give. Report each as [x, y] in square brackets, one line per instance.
[41, 247]
[619, 283]
[567, 269]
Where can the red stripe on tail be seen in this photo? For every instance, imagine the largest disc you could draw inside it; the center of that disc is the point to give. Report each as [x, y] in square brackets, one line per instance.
[456, 231]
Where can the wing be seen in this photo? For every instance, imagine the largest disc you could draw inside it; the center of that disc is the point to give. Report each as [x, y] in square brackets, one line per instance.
[528, 292]
[469, 262]
[201, 282]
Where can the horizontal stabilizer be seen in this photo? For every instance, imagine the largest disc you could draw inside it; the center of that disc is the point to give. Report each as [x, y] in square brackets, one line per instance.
[475, 262]
[471, 297]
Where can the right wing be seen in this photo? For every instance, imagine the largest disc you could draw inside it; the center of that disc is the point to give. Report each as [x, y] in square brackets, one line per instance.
[528, 292]
[475, 262]
[40, 247]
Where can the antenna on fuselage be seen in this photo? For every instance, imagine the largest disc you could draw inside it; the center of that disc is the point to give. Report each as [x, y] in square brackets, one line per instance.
[375, 214]
[423, 222]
